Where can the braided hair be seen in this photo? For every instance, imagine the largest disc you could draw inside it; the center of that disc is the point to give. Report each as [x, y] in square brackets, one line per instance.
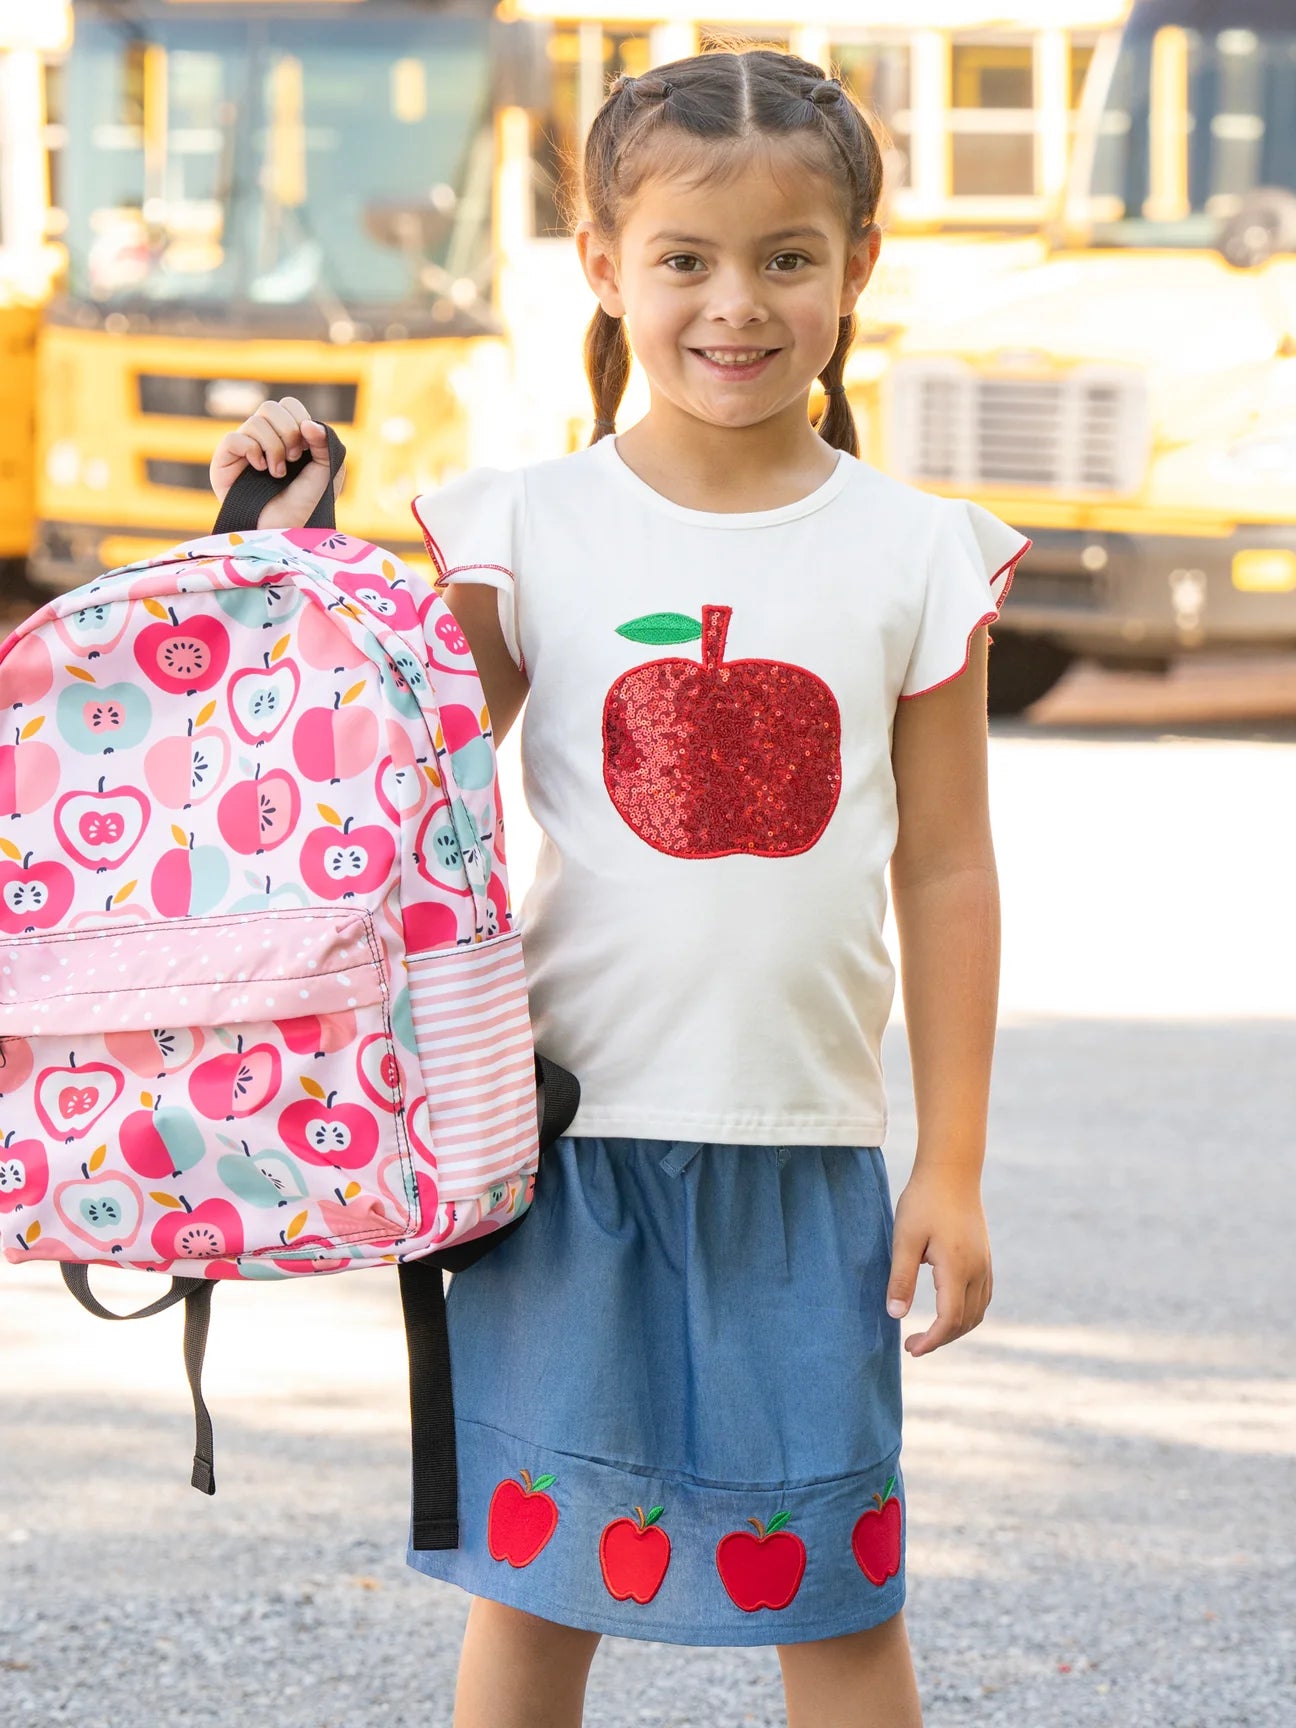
[711, 105]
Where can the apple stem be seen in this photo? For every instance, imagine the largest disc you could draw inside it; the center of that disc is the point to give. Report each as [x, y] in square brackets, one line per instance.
[760, 1528]
[185, 1204]
[337, 700]
[26, 863]
[328, 1102]
[102, 779]
[715, 631]
[190, 725]
[85, 1172]
[174, 619]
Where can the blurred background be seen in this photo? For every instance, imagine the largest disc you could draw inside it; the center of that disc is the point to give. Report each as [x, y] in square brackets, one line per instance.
[1083, 317]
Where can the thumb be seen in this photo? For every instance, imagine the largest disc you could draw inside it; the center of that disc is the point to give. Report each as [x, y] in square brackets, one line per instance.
[906, 1257]
[316, 441]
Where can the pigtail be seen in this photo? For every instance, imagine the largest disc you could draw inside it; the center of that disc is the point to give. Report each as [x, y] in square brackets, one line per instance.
[836, 425]
[607, 366]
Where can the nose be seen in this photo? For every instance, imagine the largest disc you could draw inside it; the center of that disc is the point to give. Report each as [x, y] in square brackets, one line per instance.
[735, 299]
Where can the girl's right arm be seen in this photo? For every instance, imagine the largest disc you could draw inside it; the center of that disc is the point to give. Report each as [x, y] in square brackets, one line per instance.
[277, 434]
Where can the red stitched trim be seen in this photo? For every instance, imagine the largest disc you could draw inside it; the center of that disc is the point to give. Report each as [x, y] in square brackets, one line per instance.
[989, 618]
[444, 570]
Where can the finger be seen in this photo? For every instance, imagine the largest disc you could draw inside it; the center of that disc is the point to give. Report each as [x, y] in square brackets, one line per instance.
[317, 443]
[950, 1302]
[286, 426]
[906, 1256]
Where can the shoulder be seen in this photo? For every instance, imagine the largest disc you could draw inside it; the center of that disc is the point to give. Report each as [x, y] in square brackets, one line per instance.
[931, 525]
[487, 507]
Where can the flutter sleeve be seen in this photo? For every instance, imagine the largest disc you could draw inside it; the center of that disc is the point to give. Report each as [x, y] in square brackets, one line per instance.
[970, 565]
[471, 527]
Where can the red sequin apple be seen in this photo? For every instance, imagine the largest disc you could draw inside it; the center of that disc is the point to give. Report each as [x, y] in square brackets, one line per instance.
[197, 1232]
[875, 1539]
[761, 1571]
[337, 862]
[707, 758]
[336, 743]
[33, 896]
[238, 1083]
[322, 1131]
[101, 829]
[634, 1556]
[69, 1101]
[520, 1520]
[184, 658]
[259, 814]
[24, 1173]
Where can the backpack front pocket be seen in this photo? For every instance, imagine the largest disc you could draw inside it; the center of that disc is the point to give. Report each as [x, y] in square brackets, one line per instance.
[199, 1091]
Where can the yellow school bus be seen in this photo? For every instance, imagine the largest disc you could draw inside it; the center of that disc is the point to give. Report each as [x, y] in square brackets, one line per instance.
[269, 198]
[30, 30]
[1131, 403]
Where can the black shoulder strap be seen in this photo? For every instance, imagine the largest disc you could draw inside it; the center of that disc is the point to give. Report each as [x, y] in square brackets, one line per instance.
[255, 487]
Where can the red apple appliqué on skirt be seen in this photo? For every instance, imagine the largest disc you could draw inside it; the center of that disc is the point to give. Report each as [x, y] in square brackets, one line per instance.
[707, 758]
[875, 1541]
[765, 1570]
[521, 1520]
[634, 1556]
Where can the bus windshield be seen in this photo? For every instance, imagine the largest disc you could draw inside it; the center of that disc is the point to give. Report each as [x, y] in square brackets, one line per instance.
[301, 163]
[1194, 120]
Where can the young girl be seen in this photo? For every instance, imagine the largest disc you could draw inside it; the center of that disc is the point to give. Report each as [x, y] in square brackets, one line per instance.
[756, 674]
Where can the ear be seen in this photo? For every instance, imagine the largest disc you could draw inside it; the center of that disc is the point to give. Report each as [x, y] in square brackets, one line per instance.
[600, 268]
[859, 267]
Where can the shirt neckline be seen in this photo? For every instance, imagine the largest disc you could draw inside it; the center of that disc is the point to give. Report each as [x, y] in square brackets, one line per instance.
[815, 500]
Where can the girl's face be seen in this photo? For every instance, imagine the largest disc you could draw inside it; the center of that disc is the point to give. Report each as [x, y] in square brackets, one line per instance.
[732, 293]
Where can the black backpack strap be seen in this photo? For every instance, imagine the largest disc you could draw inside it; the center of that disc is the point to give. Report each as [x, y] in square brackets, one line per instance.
[561, 1099]
[196, 1294]
[255, 487]
[435, 1510]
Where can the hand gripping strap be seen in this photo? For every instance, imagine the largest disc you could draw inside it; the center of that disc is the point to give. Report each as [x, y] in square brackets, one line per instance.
[256, 487]
[196, 1294]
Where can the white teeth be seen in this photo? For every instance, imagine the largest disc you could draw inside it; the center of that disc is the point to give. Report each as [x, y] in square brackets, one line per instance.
[745, 359]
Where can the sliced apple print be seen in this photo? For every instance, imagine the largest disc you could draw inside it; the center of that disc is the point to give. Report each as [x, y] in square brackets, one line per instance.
[101, 829]
[69, 1101]
[262, 697]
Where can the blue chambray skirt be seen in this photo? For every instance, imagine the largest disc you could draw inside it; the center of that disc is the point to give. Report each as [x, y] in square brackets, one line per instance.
[677, 1397]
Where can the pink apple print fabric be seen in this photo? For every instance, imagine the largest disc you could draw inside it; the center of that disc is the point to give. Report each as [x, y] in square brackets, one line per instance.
[241, 817]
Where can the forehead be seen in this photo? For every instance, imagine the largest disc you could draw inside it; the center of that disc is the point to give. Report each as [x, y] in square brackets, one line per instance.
[758, 199]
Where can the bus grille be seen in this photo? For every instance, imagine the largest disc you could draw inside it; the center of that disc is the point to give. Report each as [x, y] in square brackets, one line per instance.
[200, 398]
[1087, 430]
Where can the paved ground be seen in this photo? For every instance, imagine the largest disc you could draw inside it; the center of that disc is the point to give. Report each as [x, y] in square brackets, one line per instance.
[1102, 1517]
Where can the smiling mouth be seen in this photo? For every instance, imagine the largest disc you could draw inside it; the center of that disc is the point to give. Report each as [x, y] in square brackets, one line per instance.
[734, 356]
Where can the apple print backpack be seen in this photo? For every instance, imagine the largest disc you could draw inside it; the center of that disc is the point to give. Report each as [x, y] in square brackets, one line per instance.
[262, 1003]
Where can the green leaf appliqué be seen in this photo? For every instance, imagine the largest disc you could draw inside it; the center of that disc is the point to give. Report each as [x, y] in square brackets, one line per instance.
[661, 628]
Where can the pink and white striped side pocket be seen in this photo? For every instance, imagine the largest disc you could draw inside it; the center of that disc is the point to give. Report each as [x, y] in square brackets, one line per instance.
[473, 1032]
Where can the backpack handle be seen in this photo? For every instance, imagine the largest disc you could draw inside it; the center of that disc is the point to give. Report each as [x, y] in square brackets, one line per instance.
[255, 487]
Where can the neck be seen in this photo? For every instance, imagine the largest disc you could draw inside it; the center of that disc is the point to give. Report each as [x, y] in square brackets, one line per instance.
[708, 467]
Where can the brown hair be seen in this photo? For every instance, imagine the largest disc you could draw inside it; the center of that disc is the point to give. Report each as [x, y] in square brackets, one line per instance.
[696, 119]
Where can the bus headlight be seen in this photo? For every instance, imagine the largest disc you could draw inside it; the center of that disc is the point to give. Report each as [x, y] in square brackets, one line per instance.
[1270, 456]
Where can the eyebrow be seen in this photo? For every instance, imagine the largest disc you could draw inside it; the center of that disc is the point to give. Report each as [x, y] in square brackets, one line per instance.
[769, 239]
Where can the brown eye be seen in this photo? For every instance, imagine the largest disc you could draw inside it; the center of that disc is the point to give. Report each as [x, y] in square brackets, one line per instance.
[797, 257]
[687, 257]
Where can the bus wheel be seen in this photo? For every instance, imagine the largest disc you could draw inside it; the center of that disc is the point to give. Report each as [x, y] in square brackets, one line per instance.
[1022, 669]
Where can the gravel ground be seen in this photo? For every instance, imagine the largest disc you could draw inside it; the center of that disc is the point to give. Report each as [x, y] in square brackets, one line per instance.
[1100, 1479]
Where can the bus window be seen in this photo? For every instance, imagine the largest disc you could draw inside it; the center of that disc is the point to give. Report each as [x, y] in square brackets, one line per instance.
[584, 59]
[877, 75]
[992, 119]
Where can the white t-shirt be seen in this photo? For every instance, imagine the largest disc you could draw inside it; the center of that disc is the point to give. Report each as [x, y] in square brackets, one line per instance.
[706, 748]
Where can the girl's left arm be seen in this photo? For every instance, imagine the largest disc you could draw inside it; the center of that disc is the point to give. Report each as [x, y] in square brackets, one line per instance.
[945, 890]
